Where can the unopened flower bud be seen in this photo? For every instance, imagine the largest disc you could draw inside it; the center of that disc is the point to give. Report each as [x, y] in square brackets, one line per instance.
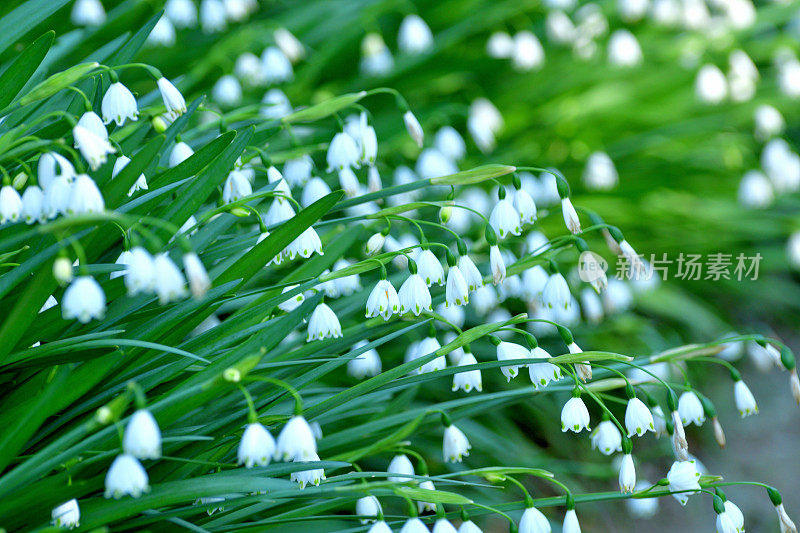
[719, 435]
[62, 270]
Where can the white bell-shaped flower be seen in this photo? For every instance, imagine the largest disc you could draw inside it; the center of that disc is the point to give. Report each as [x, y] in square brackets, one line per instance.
[431, 163]
[10, 204]
[368, 506]
[84, 300]
[276, 105]
[119, 105]
[213, 17]
[196, 274]
[305, 244]
[442, 525]
[236, 187]
[52, 164]
[289, 45]
[497, 264]
[745, 401]
[710, 85]
[528, 53]
[383, 300]
[542, 373]
[414, 35]
[248, 69]
[343, 153]
[690, 409]
[323, 324]
[571, 219]
[574, 415]
[533, 521]
[142, 438]
[607, 438]
[429, 268]
[308, 477]
[276, 66]
[470, 272]
[507, 351]
[33, 209]
[170, 285]
[182, 13]
[450, 143]
[400, 469]
[313, 190]
[296, 441]
[88, 13]
[505, 219]
[93, 148]
[484, 123]
[627, 474]
[172, 97]
[455, 445]
[141, 182]
[180, 153]
[571, 524]
[638, 418]
[414, 128]
[67, 515]
[227, 92]
[624, 49]
[278, 213]
[256, 447]
[85, 197]
[380, 527]
[456, 291]
[555, 294]
[367, 364]
[684, 480]
[163, 33]
[140, 275]
[414, 525]
[470, 379]
[126, 476]
[414, 295]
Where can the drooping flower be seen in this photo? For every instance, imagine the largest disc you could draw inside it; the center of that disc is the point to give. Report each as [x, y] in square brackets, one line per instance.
[296, 441]
[469, 379]
[172, 97]
[33, 209]
[571, 219]
[533, 521]
[401, 468]
[85, 197]
[88, 13]
[119, 105]
[627, 474]
[236, 187]
[256, 447]
[305, 244]
[276, 66]
[455, 445]
[67, 515]
[414, 295]
[684, 480]
[497, 264]
[367, 364]
[126, 476]
[555, 294]
[542, 373]
[308, 477]
[93, 148]
[414, 35]
[457, 292]
[505, 219]
[10, 204]
[745, 402]
[142, 438]
[429, 268]
[691, 409]
[84, 300]
[413, 128]
[638, 418]
[383, 300]
[323, 324]
[571, 524]
[368, 506]
[170, 285]
[574, 415]
[607, 438]
[180, 153]
[509, 351]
